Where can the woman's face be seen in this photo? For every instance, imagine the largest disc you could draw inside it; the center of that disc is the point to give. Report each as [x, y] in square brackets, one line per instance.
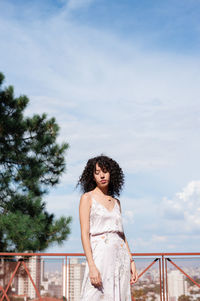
[101, 176]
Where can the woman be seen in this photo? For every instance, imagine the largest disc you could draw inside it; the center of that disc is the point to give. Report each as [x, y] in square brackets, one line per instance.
[110, 268]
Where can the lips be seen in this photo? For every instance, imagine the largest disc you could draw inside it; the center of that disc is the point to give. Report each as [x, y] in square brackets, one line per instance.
[103, 181]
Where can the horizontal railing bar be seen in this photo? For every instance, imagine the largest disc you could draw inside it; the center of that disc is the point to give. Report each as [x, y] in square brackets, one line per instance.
[42, 254]
[82, 254]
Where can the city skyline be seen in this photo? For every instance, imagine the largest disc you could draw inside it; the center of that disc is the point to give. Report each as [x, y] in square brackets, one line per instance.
[65, 279]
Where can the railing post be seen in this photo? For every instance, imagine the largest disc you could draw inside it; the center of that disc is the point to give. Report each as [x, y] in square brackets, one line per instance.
[66, 296]
[69, 295]
[167, 297]
[160, 279]
[63, 277]
[163, 277]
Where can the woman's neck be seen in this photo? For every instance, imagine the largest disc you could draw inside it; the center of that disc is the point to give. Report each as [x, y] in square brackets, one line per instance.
[103, 190]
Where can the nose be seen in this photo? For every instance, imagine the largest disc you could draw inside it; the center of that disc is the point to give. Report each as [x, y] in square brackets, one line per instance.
[102, 175]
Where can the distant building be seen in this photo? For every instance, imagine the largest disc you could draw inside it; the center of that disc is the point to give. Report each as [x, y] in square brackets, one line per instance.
[24, 285]
[72, 279]
[55, 290]
[177, 285]
[6, 268]
[42, 269]
[1, 271]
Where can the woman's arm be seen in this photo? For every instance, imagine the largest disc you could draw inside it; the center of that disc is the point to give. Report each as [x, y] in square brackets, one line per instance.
[128, 248]
[134, 274]
[84, 214]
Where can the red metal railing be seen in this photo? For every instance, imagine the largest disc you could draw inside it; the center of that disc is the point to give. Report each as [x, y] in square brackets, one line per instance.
[21, 262]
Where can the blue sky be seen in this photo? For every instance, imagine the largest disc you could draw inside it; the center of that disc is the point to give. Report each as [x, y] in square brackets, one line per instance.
[171, 25]
[121, 78]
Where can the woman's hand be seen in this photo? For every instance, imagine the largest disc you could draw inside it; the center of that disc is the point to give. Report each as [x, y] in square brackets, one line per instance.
[134, 274]
[95, 276]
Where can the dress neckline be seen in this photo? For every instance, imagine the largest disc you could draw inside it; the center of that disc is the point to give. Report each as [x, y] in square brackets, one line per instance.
[93, 199]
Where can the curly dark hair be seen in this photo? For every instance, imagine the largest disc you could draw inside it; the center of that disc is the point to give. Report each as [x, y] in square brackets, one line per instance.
[87, 182]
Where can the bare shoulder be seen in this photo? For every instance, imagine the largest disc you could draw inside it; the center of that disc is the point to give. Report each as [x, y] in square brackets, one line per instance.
[85, 200]
[118, 201]
[84, 210]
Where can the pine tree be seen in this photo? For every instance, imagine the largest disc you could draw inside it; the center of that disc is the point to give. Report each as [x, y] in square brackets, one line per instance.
[31, 161]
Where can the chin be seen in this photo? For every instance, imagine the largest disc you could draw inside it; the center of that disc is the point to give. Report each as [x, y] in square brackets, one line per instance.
[103, 185]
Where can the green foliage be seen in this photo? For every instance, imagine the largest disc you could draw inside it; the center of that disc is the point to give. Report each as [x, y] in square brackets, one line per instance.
[31, 161]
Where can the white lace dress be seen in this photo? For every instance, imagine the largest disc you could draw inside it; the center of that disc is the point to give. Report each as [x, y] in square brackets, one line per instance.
[110, 255]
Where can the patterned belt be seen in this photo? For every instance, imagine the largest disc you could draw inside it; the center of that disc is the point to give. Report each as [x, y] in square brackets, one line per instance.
[121, 234]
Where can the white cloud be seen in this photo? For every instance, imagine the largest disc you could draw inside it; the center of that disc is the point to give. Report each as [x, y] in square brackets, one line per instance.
[184, 208]
[128, 217]
[126, 103]
[154, 243]
[159, 238]
[171, 225]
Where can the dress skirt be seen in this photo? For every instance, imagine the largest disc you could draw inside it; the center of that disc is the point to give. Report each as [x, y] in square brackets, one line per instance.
[111, 257]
